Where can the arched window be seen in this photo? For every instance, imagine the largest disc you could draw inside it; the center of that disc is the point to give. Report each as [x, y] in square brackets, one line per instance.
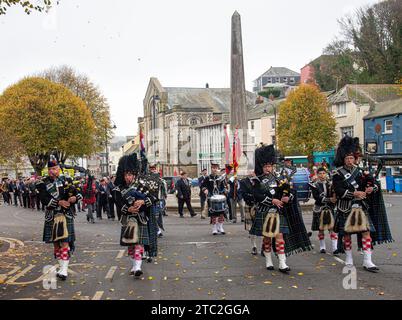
[194, 121]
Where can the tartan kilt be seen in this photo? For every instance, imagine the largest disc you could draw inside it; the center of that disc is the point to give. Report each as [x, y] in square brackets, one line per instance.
[258, 223]
[340, 221]
[143, 237]
[152, 246]
[48, 228]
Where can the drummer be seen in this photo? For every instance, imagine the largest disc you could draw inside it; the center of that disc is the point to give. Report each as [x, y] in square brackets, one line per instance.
[214, 188]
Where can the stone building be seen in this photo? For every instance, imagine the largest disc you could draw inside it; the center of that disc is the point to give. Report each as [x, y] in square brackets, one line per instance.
[172, 120]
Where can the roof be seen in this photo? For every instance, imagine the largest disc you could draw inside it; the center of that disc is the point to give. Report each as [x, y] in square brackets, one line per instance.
[279, 72]
[209, 99]
[263, 109]
[365, 93]
[387, 108]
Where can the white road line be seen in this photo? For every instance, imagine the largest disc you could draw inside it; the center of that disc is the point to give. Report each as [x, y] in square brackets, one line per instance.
[111, 272]
[98, 295]
[20, 274]
[339, 260]
[120, 254]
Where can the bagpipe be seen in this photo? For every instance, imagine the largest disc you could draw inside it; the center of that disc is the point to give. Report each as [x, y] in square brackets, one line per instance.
[285, 185]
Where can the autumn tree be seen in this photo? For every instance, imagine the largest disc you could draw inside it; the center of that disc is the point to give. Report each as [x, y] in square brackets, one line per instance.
[27, 5]
[96, 103]
[305, 124]
[44, 117]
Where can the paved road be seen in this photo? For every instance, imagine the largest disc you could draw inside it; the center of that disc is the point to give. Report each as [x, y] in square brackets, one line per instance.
[192, 264]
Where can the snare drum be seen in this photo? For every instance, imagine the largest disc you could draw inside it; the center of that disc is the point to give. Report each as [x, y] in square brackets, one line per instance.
[218, 203]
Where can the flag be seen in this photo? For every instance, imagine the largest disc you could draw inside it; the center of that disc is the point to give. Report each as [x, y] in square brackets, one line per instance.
[227, 145]
[142, 144]
[235, 151]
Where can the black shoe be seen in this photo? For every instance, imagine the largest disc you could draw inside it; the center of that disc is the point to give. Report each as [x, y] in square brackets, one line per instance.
[214, 233]
[149, 259]
[285, 270]
[193, 215]
[62, 277]
[270, 268]
[131, 273]
[323, 251]
[262, 253]
[87, 219]
[160, 235]
[138, 273]
[336, 252]
[254, 251]
[202, 217]
[309, 234]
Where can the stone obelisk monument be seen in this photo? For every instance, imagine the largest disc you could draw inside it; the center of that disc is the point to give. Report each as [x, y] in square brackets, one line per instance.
[238, 110]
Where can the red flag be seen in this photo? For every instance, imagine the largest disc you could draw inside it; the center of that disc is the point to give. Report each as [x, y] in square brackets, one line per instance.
[235, 152]
[142, 144]
[227, 145]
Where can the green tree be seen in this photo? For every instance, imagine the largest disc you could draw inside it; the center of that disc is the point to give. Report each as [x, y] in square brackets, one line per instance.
[97, 104]
[27, 5]
[369, 50]
[43, 117]
[305, 123]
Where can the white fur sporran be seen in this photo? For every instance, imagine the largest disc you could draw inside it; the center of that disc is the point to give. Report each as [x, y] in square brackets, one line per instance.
[356, 221]
[327, 220]
[130, 234]
[271, 224]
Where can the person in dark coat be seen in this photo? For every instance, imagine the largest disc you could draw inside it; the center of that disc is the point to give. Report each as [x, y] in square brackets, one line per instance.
[184, 194]
[203, 197]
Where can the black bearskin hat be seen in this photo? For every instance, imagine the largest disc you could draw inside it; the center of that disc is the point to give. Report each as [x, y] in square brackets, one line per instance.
[346, 147]
[127, 164]
[52, 161]
[263, 155]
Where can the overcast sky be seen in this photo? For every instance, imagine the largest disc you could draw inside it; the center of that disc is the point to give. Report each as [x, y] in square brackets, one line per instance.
[120, 44]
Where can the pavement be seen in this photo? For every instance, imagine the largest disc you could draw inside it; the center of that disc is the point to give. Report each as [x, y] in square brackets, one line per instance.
[191, 264]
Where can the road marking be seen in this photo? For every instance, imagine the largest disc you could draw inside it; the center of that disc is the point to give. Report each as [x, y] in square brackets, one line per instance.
[19, 275]
[120, 254]
[98, 295]
[111, 272]
[12, 242]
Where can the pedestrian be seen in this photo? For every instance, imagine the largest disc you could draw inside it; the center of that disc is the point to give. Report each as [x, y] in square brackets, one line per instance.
[323, 211]
[203, 197]
[236, 198]
[214, 188]
[103, 199]
[277, 217]
[111, 186]
[32, 193]
[135, 210]
[59, 218]
[89, 198]
[184, 194]
[353, 188]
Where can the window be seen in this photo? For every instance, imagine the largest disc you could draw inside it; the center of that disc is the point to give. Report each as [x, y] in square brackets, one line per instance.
[252, 125]
[341, 109]
[278, 79]
[347, 131]
[285, 79]
[292, 80]
[253, 140]
[388, 126]
[388, 146]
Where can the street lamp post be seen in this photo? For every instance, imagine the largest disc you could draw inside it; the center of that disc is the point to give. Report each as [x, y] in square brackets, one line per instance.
[107, 150]
[155, 98]
[272, 98]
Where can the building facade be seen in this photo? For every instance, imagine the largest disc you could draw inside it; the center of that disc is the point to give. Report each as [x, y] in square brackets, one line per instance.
[171, 118]
[383, 135]
[351, 104]
[276, 75]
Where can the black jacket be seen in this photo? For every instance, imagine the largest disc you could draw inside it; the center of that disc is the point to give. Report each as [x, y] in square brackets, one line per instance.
[183, 189]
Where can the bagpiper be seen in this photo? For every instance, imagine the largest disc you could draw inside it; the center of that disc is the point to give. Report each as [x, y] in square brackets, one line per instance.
[214, 188]
[58, 197]
[277, 217]
[134, 200]
[323, 210]
[352, 188]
